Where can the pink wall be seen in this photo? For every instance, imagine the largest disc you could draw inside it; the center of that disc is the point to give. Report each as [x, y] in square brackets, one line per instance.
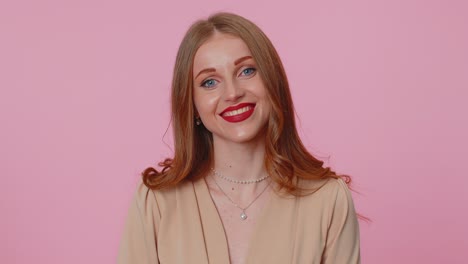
[380, 87]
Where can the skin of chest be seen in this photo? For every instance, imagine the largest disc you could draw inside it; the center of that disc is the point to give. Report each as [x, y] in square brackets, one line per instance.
[238, 232]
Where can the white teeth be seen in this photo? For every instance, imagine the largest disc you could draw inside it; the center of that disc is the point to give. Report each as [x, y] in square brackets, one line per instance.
[238, 111]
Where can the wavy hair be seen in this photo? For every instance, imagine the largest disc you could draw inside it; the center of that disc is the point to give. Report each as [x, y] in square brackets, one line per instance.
[285, 155]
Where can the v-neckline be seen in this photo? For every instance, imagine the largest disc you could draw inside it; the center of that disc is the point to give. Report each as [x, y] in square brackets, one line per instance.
[214, 227]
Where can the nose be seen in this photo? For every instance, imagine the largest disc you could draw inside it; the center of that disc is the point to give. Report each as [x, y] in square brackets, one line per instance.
[233, 91]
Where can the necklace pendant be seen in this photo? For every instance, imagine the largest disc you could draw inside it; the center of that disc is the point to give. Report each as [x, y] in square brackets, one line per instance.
[243, 216]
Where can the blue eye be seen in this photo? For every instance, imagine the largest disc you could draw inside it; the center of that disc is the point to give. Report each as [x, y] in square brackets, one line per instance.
[208, 83]
[248, 71]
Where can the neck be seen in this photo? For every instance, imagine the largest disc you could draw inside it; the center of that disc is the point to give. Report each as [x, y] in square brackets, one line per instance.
[240, 161]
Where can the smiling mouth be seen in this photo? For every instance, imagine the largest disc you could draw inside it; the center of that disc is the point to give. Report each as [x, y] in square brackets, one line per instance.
[238, 111]
[239, 114]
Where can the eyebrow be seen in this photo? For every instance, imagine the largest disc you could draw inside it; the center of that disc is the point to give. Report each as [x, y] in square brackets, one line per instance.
[242, 59]
[235, 63]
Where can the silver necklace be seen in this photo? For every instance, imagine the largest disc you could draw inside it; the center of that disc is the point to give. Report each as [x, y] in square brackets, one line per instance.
[243, 215]
[237, 181]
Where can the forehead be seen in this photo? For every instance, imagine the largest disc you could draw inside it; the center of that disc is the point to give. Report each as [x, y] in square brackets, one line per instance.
[219, 50]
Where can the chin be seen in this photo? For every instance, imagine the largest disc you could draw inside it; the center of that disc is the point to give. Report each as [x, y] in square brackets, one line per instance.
[247, 138]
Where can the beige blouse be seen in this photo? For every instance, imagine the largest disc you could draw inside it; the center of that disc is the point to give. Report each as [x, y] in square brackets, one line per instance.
[182, 225]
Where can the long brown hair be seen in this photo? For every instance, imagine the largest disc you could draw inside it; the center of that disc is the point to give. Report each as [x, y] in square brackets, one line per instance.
[285, 155]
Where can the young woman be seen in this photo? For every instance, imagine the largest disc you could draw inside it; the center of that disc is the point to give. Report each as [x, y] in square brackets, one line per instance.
[241, 187]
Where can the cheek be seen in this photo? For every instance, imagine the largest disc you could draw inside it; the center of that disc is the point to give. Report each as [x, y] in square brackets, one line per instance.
[206, 102]
[257, 87]
[212, 101]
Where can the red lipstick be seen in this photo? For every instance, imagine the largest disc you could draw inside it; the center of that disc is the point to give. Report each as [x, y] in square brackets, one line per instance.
[233, 117]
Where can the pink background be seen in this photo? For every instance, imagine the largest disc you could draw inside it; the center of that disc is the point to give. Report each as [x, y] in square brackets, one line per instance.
[380, 88]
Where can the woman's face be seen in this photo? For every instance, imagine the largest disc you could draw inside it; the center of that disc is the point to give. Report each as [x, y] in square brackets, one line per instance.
[229, 93]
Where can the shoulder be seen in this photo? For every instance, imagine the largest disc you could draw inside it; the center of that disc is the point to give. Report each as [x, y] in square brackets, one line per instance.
[150, 199]
[331, 195]
[144, 200]
[328, 186]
